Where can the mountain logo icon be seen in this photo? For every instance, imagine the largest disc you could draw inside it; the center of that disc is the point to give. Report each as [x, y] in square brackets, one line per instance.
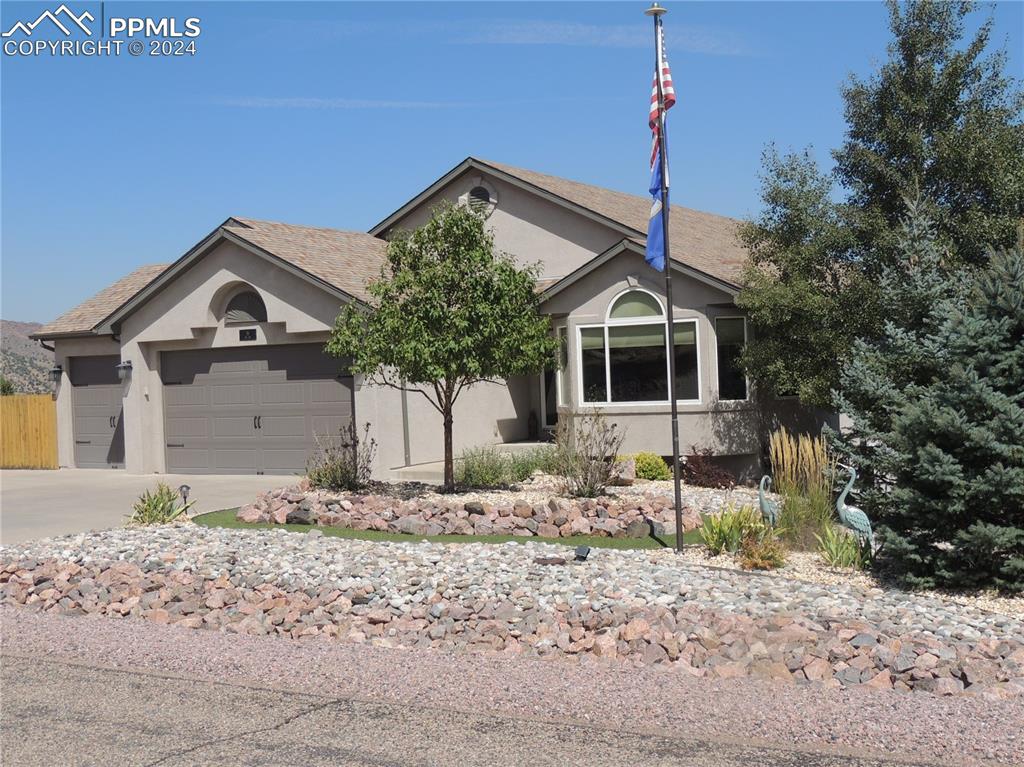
[62, 12]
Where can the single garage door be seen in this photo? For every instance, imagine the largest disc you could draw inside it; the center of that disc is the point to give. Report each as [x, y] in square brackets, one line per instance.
[251, 410]
[98, 414]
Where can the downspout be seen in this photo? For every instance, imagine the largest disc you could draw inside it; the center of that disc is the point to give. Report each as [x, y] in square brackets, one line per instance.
[43, 344]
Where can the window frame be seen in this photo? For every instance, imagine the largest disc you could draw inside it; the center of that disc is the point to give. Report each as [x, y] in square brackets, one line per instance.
[633, 321]
[718, 367]
[562, 396]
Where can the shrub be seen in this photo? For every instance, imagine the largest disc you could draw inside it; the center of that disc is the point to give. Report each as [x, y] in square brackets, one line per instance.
[585, 450]
[726, 531]
[802, 472]
[651, 466]
[490, 466]
[762, 552]
[344, 462]
[840, 548]
[523, 463]
[158, 507]
[700, 470]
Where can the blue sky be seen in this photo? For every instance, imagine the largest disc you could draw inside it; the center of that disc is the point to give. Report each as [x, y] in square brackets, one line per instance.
[334, 114]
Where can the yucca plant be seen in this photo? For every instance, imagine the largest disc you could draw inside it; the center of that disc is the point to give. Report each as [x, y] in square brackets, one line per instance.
[840, 548]
[726, 531]
[157, 507]
[803, 469]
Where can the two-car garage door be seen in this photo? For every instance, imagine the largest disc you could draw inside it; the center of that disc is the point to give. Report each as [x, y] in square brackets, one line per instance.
[256, 410]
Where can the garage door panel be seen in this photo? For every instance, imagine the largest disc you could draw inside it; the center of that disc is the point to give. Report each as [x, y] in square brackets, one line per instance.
[285, 460]
[290, 393]
[284, 426]
[232, 394]
[185, 426]
[259, 407]
[236, 459]
[229, 427]
[185, 396]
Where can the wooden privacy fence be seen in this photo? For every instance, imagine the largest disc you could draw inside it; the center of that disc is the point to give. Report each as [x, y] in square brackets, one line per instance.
[28, 432]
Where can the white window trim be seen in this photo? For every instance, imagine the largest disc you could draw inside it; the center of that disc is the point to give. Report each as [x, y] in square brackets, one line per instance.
[562, 334]
[607, 358]
[633, 320]
[718, 369]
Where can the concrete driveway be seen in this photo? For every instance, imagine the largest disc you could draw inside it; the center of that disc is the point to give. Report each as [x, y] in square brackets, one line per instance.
[39, 504]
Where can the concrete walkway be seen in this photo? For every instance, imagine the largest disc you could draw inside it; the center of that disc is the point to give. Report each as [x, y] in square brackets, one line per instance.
[39, 504]
[80, 714]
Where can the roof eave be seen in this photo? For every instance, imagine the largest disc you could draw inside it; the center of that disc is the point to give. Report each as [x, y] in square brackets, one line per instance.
[626, 244]
[110, 324]
[471, 162]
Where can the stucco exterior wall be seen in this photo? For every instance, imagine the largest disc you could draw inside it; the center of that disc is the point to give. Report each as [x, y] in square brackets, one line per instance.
[186, 315]
[526, 226]
[63, 350]
[485, 414]
[729, 428]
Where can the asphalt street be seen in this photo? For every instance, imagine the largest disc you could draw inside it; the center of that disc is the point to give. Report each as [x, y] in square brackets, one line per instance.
[69, 713]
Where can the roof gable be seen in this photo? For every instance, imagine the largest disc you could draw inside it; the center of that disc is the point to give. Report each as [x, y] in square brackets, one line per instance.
[704, 241]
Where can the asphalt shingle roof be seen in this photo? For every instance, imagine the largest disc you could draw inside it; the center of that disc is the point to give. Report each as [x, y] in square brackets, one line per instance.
[346, 260]
[84, 317]
[705, 241]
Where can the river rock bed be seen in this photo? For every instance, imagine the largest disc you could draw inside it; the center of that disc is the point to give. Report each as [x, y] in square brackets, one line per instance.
[631, 515]
[633, 607]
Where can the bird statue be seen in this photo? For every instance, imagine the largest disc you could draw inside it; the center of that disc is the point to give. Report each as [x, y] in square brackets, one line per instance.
[769, 508]
[852, 517]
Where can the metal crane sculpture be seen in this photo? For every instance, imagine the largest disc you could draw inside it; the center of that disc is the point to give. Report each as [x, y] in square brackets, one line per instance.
[852, 517]
[769, 508]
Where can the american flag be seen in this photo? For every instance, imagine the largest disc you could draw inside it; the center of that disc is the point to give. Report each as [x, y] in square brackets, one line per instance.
[668, 92]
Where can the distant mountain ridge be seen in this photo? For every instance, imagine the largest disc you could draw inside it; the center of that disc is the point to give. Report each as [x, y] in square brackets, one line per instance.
[23, 361]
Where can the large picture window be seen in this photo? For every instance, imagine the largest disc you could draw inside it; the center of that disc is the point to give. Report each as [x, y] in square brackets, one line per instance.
[625, 360]
[730, 335]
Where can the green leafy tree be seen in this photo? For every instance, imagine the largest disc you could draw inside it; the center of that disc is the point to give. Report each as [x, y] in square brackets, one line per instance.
[797, 281]
[446, 313]
[940, 122]
[6, 387]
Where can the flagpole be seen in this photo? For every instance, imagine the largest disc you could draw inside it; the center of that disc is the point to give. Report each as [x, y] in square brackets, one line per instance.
[656, 11]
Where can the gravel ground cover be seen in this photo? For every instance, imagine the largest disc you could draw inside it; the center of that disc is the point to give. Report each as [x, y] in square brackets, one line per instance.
[640, 608]
[963, 731]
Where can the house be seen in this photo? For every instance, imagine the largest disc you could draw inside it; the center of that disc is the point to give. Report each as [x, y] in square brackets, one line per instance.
[214, 363]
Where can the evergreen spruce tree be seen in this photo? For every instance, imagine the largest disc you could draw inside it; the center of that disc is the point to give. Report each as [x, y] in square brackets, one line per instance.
[874, 382]
[956, 514]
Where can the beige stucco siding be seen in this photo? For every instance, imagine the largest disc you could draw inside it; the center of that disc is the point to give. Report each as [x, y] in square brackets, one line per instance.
[726, 428]
[186, 315]
[530, 228]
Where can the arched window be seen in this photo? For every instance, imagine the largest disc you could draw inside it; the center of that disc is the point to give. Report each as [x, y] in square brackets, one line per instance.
[625, 359]
[245, 307]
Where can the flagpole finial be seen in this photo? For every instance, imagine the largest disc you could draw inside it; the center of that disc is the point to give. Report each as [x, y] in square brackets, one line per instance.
[655, 10]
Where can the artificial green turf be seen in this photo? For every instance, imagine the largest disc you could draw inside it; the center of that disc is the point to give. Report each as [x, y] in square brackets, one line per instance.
[226, 518]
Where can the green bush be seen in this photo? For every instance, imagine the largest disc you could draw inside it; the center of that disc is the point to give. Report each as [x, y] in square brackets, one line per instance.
[726, 531]
[491, 466]
[802, 518]
[840, 548]
[343, 462]
[651, 466]
[158, 507]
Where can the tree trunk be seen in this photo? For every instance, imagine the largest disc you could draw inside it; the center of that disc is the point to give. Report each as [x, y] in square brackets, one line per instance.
[449, 458]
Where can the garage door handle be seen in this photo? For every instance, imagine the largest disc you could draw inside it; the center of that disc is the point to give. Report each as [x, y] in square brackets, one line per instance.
[83, 441]
[259, 422]
[175, 444]
[112, 424]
